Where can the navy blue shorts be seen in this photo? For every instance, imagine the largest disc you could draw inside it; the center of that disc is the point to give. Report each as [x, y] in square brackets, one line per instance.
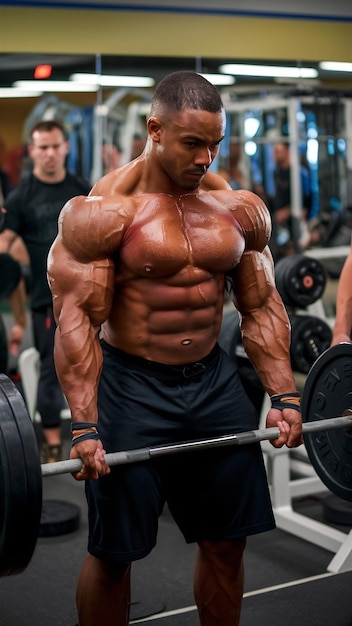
[213, 494]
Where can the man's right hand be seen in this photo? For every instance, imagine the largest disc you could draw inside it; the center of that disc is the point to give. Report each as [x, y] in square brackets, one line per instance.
[92, 454]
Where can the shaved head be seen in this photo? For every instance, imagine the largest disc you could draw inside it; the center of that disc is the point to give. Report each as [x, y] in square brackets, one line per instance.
[185, 90]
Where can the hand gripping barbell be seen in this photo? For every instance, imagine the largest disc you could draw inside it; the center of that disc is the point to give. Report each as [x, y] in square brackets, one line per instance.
[327, 392]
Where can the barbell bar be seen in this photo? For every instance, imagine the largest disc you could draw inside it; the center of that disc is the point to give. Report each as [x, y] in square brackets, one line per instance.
[242, 438]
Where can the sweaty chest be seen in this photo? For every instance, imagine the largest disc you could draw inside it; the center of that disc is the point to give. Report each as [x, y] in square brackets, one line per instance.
[167, 236]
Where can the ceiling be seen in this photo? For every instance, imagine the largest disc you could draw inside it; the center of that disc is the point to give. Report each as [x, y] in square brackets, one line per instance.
[21, 67]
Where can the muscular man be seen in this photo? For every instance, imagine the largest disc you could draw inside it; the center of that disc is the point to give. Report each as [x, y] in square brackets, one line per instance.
[30, 224]
[138, 274]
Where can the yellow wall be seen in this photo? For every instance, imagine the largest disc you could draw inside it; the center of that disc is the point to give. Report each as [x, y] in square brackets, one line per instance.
[171, 34]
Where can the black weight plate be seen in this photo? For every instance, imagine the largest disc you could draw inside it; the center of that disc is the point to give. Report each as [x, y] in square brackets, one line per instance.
[20, 481]
[310, 337]
[300, 280]
[328, 393]
[309, 281]
[281, 279]
[59, 518]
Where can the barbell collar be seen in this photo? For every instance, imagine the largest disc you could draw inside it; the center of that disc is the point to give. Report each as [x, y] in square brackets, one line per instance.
[145, 454]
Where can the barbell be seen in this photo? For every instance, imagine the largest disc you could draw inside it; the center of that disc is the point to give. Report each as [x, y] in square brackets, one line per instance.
[327, 430]
[239, 439]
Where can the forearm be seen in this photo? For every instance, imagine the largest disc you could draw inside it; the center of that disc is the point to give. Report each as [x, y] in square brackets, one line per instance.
[343, 321]
[78, 360]
[266, 340]
[343, 324]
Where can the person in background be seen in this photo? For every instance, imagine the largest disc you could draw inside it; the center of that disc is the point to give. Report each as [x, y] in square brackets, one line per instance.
[289, 232]
[233, 174]
[111, 156]
[138, 273]
[30, 226]
[138, 144]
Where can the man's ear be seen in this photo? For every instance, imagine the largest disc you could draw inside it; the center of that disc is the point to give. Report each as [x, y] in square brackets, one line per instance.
[154, 128]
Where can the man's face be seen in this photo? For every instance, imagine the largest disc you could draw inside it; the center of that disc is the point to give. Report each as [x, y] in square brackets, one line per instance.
[48, 151]
[188, 142]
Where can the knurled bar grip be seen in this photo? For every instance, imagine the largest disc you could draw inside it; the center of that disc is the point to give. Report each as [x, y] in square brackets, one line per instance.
[145, 454]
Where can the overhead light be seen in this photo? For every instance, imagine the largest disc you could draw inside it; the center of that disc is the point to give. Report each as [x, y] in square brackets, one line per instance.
[220, 79]
[105, 80]
[12, 92]
[242, 69]
[54, 85]
[335, 66]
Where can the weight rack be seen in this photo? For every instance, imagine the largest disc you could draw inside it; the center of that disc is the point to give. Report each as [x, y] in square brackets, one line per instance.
[282, 463]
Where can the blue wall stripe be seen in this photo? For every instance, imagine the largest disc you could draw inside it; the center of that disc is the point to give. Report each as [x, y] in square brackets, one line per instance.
[56, 4]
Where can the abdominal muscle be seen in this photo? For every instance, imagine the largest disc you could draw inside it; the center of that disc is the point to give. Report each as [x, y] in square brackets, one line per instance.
[172, 321]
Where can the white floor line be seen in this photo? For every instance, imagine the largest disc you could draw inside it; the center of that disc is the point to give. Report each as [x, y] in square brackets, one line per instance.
[248, 594]
[186, 609]
[293, 583]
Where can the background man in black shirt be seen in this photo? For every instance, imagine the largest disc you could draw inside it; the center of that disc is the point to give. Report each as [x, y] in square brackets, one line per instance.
[31, 216]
